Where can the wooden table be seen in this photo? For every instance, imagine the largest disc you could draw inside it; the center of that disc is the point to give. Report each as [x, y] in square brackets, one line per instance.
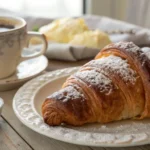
[16, 136]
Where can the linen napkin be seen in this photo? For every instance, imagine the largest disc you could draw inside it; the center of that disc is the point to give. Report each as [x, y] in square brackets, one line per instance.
[117, 30]
[61, 51]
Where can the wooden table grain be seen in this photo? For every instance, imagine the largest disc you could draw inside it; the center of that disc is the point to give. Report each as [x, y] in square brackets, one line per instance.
[16, 136]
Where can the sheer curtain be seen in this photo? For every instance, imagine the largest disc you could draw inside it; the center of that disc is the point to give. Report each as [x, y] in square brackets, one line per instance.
[43, 8]
[133, 11]
[138, 12]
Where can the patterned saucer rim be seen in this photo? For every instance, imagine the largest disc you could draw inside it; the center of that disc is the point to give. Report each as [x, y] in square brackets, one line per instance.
[8, 80]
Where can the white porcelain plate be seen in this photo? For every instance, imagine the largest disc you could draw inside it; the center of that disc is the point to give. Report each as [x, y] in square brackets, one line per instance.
[26, 70]
[27, 106]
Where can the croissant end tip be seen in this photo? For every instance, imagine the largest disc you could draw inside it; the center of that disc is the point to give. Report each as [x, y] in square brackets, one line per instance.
[52, 118]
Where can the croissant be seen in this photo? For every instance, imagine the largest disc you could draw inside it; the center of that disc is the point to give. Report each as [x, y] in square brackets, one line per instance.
[114, 86]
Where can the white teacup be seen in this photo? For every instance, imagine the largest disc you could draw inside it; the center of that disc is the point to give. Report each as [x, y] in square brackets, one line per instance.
[13, 38]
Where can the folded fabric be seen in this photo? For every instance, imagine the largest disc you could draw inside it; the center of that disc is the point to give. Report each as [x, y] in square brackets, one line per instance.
[60, 51]
[140, 36]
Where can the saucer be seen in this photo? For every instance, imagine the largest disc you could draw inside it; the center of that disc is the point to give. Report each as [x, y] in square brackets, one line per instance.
[25, 71]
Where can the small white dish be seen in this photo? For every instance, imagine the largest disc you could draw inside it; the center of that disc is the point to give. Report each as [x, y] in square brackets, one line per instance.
[27, 106]
[1, 105]
[25, 71]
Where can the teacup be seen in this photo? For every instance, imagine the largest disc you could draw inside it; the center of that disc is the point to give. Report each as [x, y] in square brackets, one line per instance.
[13, 38]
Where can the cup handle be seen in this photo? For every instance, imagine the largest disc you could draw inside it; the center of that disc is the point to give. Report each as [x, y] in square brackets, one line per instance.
[44, 41]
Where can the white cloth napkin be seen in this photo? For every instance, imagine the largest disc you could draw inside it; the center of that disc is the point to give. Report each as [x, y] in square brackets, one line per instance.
[140, 37]
[66, 51]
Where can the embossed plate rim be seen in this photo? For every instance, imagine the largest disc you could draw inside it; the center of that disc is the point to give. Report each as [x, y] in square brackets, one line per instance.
[23, 108]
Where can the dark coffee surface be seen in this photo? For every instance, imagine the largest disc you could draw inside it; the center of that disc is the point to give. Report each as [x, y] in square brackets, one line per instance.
[5, 27]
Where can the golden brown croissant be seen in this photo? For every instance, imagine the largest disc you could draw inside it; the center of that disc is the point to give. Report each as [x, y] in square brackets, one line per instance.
[114, 86]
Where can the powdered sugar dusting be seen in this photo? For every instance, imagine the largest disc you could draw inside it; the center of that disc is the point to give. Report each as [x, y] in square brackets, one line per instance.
[129, 46]
[116, 65]
[97, 79]
[146, 51]
[119, 133]
[67, 93]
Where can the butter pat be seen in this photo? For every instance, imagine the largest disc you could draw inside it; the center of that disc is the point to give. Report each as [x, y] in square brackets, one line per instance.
[63, 30]
[93, 39]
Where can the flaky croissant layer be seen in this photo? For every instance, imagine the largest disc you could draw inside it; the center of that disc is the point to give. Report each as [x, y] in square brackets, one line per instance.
[114, 86]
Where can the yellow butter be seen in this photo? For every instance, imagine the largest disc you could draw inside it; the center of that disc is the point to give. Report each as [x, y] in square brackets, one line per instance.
[93, 39]
[63, 30]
